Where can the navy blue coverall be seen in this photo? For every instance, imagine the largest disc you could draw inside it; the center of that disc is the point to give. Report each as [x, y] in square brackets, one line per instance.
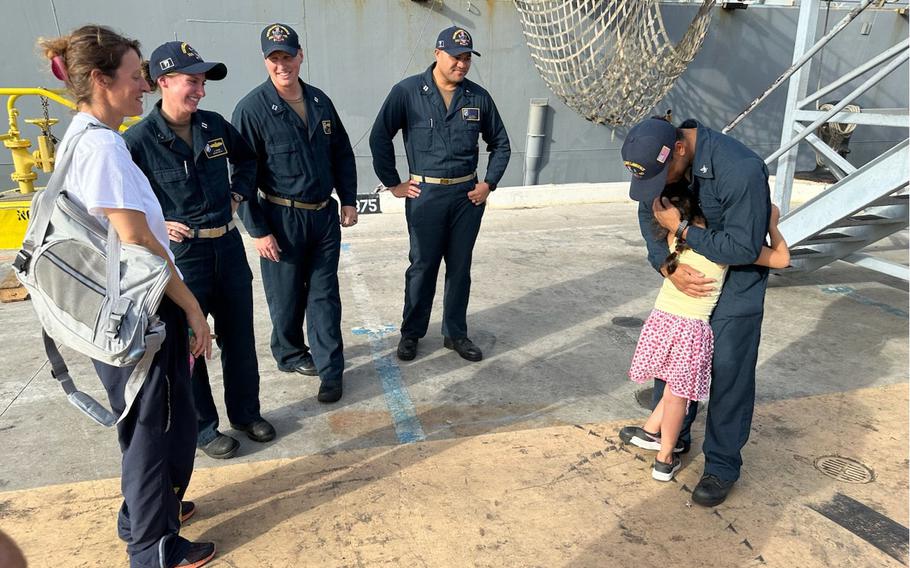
[731, 183]
[442, 221]
[194, 187]
[157, 439]
[301, 164]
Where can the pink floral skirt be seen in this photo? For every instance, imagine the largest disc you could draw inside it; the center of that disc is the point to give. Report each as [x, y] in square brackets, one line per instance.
[677, 350]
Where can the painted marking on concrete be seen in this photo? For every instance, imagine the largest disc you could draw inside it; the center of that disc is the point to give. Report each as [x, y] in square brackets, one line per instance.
[851, 293]
[878, 530]
[404, 415]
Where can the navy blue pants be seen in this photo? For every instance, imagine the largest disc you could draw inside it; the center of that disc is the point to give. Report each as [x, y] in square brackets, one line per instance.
[158, 442]
[443, 225]
[218, 274]
[305, 282]
[732, 402]
[732, 398]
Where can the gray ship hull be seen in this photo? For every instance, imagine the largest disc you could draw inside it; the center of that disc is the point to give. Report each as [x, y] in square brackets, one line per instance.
[356, 50]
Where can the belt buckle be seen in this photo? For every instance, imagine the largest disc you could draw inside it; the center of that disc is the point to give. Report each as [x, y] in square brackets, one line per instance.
[445, 181]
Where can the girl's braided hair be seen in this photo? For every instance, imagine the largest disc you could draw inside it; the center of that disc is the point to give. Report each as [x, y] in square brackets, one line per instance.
[685, 202]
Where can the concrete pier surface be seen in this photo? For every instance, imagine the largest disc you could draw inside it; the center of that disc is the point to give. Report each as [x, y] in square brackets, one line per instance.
[513, 461]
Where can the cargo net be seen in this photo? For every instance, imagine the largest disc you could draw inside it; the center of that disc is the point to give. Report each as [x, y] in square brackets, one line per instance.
[609, 60]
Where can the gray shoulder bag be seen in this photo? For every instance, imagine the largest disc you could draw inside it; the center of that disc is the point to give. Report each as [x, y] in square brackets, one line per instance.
[91, 292]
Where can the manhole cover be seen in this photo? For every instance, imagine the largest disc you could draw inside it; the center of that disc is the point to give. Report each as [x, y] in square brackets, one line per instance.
[627, 322]
[844, 469]
[643, 397]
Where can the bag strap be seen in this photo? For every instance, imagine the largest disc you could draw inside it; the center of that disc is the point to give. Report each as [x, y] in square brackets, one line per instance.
[155, 332]
[42, 218]
[113, 265]
[88, 405]
[42, 215]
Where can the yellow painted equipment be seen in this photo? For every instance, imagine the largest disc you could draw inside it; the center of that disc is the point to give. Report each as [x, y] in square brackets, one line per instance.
[43, 158]
[15, 203]
[13, 221]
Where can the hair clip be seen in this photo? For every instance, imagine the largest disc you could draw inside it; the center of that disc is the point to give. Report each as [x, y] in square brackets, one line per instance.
[58, 68]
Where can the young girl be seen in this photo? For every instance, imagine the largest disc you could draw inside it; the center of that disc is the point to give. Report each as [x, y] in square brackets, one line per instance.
[676, 343]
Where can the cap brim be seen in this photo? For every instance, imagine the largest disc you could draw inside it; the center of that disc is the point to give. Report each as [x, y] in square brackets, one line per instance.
[647, 190]
[213, 71]
[285, 48]
[456, 51]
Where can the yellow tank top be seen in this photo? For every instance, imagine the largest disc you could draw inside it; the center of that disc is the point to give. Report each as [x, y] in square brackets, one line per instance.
[672, 301]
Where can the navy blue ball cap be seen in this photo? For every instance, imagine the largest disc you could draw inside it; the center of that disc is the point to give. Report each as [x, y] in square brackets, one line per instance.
[646, 152]
[455, 41]
[180, 57]
[279, 37]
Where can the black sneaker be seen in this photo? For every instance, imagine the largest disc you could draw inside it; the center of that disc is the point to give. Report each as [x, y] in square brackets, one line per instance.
[187, 510]
[199, 554]
[645, 440]
[665, 471]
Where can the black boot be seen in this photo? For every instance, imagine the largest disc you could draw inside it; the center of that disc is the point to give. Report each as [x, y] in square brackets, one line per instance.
[711, 491]
[407, 348]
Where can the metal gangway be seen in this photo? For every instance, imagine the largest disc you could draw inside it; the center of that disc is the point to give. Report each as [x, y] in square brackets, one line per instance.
[865, 204]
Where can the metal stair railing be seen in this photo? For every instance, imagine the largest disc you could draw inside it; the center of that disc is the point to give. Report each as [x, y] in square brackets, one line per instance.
[867, 203]
[866, 206]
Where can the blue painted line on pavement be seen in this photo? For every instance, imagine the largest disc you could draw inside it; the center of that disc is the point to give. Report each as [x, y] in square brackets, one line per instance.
[851, 293]
[404, 415]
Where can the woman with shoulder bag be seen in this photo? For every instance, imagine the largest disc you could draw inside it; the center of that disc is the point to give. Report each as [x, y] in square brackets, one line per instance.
[102, 70]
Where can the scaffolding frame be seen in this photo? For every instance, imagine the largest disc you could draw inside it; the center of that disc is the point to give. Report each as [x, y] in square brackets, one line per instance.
[800, 124]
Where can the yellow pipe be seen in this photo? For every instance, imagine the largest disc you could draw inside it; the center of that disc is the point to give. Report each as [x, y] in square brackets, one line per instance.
[44, 157]
[23, 161]
[55, 95]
